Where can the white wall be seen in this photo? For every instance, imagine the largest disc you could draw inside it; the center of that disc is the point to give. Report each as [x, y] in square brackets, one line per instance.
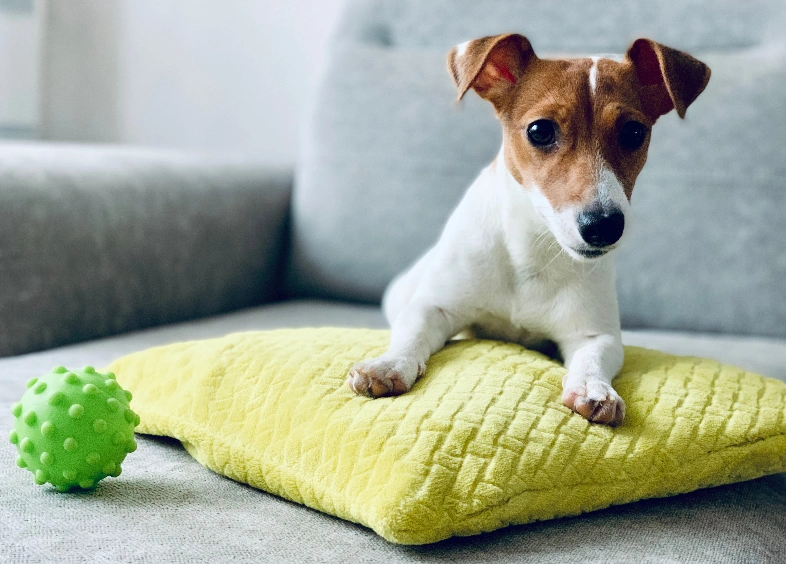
[19, 63]
[219, 75]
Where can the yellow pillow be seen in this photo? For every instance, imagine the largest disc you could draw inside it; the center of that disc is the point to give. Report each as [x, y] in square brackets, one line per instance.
[481, 441]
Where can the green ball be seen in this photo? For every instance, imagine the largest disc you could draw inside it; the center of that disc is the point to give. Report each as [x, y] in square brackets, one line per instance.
[73, 428]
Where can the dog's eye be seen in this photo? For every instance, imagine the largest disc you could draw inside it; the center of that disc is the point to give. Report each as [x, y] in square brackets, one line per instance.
[542, 133]
[632, 135]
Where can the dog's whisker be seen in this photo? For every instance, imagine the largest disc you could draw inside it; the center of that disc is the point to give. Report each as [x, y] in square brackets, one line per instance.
[541, 237]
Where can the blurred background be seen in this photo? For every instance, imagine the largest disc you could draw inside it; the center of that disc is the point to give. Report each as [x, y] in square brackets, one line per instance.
[228, 76]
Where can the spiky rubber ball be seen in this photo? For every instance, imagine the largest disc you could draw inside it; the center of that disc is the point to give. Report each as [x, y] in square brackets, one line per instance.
[73, 428]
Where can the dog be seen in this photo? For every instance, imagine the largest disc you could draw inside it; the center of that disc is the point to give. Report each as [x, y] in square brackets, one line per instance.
[526, 255]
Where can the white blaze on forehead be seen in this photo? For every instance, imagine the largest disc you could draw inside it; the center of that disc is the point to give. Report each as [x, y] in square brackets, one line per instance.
[593, 73]
[461, 48]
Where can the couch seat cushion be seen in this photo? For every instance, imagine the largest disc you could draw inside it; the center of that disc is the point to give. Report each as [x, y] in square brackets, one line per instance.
[170, 509]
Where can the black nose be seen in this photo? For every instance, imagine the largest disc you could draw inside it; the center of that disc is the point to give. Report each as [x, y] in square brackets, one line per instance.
[601, 228]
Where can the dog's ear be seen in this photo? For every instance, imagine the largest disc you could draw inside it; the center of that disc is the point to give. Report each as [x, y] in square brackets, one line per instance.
[490, 65]
[670, 79]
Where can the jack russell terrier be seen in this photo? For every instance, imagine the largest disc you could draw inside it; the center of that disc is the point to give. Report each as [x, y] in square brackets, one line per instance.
[525, 255]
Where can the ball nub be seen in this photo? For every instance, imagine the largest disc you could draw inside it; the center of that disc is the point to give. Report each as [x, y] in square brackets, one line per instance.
[72, 379]
[57, 397]
[47, 429]
[26, 445]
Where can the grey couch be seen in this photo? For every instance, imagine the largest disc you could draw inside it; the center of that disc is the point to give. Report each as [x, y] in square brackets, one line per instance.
[105, 251]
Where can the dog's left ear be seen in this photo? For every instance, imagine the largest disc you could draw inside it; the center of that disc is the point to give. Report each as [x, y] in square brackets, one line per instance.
[670, 79]
[491, 65]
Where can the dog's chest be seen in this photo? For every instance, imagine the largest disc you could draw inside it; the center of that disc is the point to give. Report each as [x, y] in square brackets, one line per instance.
[526, 308]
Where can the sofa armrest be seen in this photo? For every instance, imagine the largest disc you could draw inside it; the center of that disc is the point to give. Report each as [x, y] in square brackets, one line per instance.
[97, 240]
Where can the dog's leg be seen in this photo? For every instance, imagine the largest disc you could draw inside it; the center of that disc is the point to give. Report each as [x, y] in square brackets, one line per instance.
[419, 331]
[400, 291]
[592, 364]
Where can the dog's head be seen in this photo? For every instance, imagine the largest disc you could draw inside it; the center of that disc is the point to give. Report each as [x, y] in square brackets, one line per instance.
[576, 131]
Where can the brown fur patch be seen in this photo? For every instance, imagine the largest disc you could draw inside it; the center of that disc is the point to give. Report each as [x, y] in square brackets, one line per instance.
[588, 128]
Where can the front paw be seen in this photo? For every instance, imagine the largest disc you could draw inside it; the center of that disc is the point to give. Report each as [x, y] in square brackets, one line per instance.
[384, 376]
[596, 401]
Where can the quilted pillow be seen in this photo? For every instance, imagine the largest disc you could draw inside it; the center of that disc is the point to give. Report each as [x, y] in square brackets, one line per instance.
[480, 442]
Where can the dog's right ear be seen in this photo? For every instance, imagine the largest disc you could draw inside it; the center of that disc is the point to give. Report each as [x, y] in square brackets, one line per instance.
[491, 65]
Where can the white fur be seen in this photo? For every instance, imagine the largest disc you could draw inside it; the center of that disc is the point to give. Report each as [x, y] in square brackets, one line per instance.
[593, 74]
[501, 267]
[610, 191]
[461, 48]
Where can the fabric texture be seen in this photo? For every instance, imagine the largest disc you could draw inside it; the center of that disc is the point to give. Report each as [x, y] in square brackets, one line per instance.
[480, 442]
[387, 154]
[164, 507]
[99, 240]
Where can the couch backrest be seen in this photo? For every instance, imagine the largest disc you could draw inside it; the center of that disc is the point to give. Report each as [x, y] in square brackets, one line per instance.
[387, 153]
[97, 240]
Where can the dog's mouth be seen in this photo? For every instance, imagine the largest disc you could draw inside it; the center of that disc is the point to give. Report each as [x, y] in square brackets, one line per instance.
[592, 253]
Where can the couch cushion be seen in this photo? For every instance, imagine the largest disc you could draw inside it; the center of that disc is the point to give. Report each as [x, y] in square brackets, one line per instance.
[182, 513]
[387, 154]
[570, 25]
[99, 240]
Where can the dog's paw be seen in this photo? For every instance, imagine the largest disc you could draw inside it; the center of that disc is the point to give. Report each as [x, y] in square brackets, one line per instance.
[383, 376]
[596, 401]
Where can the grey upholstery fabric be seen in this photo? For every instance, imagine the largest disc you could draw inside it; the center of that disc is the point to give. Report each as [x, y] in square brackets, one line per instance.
[387, 154]
[165, 507]
[96, 241]
[707, 246]
[601, 26]
[762, 355]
